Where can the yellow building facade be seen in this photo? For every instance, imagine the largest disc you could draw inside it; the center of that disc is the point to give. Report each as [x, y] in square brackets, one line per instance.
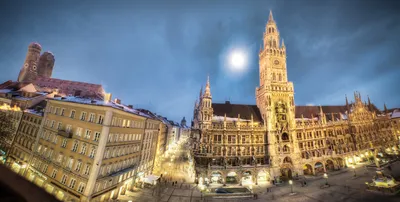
[250, 144]
[85, 150]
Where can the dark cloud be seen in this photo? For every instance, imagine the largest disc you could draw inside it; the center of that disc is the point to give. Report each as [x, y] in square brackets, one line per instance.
[157, 54]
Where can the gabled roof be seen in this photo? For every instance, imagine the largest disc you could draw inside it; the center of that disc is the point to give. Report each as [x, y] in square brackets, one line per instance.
[232, 110]
[68, 87]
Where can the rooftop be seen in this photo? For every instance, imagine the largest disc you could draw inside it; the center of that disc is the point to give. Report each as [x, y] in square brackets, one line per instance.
[97, 102]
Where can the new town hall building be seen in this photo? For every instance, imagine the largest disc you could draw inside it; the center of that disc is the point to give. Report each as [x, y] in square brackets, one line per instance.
[242, 144]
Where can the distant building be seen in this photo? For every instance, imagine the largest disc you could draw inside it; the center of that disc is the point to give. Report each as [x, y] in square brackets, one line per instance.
[248, 144]
[37, 69]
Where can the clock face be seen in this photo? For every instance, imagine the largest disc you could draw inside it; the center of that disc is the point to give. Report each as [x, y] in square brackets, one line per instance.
[276, 62]
[34, 67]
[26, 65]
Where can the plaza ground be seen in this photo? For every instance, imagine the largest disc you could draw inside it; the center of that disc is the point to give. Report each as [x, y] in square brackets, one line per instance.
[344, 187]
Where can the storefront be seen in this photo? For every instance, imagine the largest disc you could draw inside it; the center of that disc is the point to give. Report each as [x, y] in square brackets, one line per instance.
[247, 178]
[231, 178]
[263, 177]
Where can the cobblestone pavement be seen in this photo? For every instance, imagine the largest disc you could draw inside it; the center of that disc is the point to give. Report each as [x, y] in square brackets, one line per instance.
[344, 187]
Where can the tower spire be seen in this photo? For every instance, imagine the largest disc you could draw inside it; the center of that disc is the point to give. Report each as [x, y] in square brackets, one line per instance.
[385, 108]
[271, 17]
[207, 92]
[347, 104]
[201, 92]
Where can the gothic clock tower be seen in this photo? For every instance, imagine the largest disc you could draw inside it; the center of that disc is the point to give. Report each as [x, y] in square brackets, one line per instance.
[275, 100]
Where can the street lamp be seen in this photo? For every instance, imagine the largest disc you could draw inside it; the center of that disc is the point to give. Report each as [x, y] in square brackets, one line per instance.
[354, 169]
[291, 186]
[326, 178]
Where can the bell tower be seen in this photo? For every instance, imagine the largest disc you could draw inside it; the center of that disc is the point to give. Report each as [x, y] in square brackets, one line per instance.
[206, 110]
[28, 71]
[275, 100]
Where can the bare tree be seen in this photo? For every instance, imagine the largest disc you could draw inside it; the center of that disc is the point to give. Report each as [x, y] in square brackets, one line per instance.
[7, 130]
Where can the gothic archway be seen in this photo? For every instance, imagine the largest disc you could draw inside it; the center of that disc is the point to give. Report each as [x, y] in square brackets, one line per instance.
[318, 168]
[308, 170]
[231, 178]
[287, 160]
[216, 177]
[285, 137]
[329, 165]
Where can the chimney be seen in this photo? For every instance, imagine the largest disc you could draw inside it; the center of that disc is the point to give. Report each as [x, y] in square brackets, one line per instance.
[107, 97]
[130, 106]
[118, 101]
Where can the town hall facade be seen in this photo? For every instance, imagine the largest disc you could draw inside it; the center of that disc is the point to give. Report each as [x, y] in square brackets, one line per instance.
[245, 144]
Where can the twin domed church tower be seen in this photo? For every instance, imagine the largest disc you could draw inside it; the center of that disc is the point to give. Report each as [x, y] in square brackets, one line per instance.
[256, 143]
[36, 65]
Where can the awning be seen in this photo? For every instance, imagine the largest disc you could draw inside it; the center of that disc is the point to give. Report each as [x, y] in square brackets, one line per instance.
[151, 179]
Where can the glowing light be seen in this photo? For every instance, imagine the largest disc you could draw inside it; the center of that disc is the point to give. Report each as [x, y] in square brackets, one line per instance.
[237, 60]
[8, 108]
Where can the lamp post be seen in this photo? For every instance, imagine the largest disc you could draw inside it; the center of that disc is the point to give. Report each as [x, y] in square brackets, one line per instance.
[291, 186]
[354, 169]
[326, 178]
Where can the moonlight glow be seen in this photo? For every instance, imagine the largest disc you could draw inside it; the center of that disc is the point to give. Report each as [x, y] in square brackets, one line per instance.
[237, 60]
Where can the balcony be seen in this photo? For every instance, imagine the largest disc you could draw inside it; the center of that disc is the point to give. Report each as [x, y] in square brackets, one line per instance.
[67, 134]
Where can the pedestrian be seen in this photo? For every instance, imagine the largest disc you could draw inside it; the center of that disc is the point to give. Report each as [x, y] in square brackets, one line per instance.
[273, 182]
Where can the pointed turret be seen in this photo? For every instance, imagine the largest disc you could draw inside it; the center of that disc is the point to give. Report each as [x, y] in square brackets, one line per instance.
[384, 108]
[201, 92]
[271, 17]
[347, 105]
[283, 44]
[207, 91]
[322, 115]
[369, 101]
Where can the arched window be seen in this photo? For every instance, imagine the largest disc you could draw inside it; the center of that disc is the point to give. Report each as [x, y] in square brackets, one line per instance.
[273, 30]
[285, 149]
[273, 76]
[280, 77]
[285, 137]
[274, 44]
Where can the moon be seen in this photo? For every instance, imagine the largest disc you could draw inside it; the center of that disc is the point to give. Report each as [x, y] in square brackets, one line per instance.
[237, 60]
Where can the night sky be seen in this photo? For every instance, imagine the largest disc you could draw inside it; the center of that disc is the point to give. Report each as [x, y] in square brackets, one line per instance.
[157, 54]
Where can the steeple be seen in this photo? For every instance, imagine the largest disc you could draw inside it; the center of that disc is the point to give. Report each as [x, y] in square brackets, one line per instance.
[369, 104]
[207, 92]
[385, 108]
[201, 93]
[271, 17]
[347, 105]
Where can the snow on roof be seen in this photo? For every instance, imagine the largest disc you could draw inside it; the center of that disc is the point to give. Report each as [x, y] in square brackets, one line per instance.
[396, 113]
[5, 90]
[32, 111]
[101, 103]
[222, 118]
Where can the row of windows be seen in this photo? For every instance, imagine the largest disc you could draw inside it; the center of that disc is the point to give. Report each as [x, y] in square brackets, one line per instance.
[117, 166]
[119, 122]
[71, 183]
[32, 119]
[108, 183]
[29, 129]
[83, 116]
[124, 137]
[112, 152]
[68, 128]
